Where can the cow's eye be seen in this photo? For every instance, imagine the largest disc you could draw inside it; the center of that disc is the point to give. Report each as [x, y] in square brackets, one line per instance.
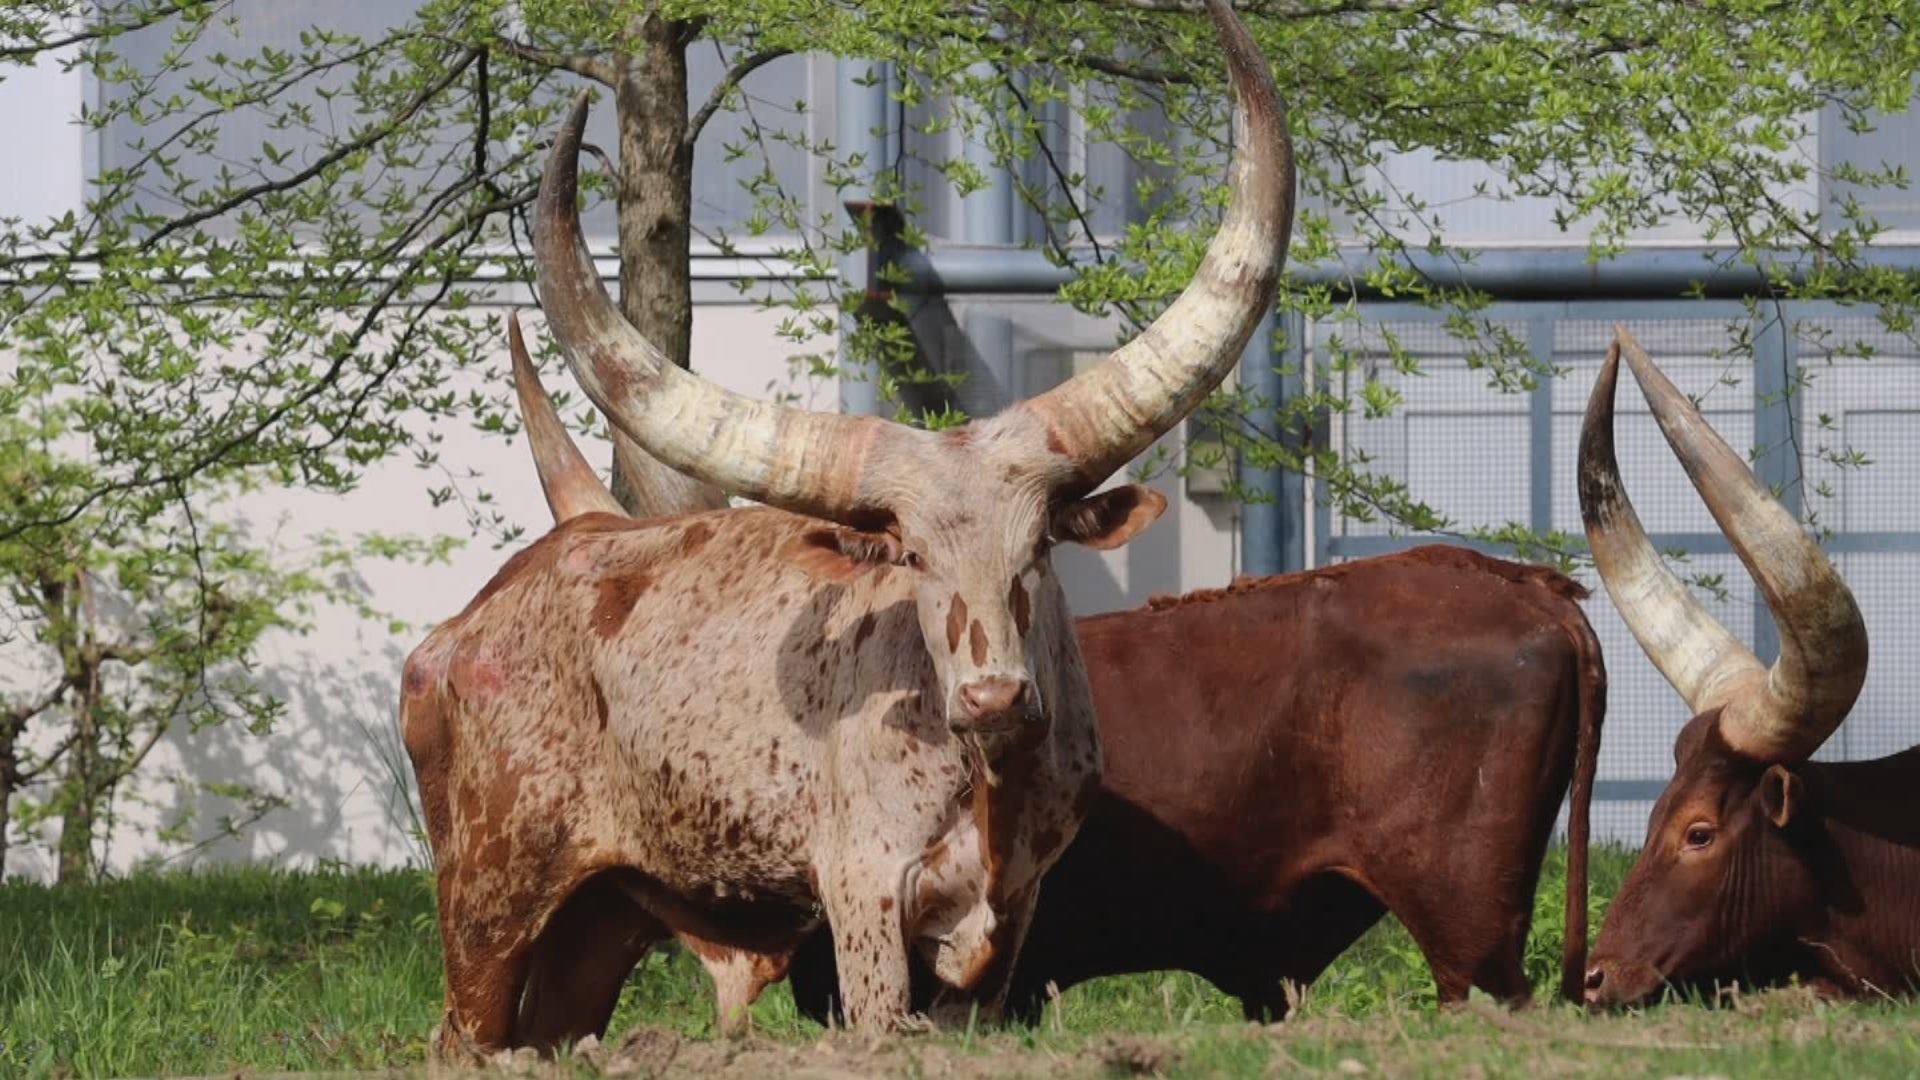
[1699, 836]
[910, 559]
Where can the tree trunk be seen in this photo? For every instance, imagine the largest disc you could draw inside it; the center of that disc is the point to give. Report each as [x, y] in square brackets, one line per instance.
[83, 767]
[9, 769]
[655, 193]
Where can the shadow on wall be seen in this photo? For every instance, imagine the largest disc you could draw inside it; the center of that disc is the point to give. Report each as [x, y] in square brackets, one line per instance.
[334, 765]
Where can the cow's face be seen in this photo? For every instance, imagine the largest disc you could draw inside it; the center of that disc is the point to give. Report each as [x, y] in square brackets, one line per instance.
[1719, 887]
[977, 550]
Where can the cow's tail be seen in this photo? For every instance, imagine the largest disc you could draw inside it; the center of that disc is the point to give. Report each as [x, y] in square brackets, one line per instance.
[1593, 708]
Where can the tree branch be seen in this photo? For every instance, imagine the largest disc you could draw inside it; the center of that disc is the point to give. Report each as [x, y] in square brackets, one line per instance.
[27, 53]
[741, 68]
[17, 716]
[323, 163]
[585, 65]
[1137, 73]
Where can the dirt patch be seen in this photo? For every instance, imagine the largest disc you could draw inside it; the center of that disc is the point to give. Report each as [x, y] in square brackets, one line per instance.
[665, 1055]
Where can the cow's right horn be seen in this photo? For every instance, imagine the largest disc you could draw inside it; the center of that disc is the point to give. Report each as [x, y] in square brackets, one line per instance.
[807, 462]
[1778, 714]
[1105, 417]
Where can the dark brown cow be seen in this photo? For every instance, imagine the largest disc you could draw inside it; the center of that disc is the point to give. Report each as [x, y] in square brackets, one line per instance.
[1289, 758]
[1759, 865]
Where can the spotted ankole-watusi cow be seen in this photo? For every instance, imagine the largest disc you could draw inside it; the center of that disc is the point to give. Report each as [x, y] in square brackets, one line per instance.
[863, 703]
[1759, 865]
[1429, 712]
[1289, 758]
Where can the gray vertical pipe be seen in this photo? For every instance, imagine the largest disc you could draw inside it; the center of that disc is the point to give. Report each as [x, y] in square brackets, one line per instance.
[988, 221]
[1540, 428]
[861, 129]
[1273, 527]
[1777, 466]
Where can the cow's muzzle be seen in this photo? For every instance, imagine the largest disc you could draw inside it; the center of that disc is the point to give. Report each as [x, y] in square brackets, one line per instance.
[1618, 985]
[994, 705]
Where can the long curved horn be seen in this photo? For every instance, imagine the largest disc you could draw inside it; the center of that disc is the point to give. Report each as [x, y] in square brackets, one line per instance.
[1105, 417]
[1778, 714]
[572, 487]
[811, 463]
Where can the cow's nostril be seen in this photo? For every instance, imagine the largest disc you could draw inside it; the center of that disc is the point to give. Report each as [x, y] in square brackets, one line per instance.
[1595, 977]
[986, 699]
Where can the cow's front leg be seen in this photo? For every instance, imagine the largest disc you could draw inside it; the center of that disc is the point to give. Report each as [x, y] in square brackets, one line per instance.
[988, 974]
[864, 906]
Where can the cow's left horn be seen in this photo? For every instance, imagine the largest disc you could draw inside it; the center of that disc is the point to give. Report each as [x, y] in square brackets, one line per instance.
[1778, 714]
[807, 462]
[1107, 416]
[571, 486]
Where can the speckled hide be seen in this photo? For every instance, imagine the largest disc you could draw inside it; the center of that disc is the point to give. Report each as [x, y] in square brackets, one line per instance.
[640, 729]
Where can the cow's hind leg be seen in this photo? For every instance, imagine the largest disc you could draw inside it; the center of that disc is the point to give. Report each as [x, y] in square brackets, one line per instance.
[1470, 941]
[486, 966]
[580, 963]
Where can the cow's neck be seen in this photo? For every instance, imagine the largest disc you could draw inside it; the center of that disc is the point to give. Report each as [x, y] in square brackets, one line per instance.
[1867, 936]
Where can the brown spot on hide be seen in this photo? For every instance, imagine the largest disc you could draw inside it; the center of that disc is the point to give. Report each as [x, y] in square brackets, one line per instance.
[617, 597]
[956, 623]
[694, 537]
[473, 675]
[1046, 841]
[421, 673]
[864, 630]
[886, 903]
[1022, 606]
[977, 638]
[734, 832]
[600, 703]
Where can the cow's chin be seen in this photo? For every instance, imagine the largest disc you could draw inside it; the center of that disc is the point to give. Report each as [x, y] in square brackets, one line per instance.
[1627, 983]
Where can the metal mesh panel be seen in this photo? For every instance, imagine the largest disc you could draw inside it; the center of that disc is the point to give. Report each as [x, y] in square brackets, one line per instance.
[1449, 417]
[1475, 455]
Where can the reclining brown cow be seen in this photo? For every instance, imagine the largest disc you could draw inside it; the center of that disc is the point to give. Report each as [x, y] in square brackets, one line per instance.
[862, 704]
[1289, 758]
[1759, 865]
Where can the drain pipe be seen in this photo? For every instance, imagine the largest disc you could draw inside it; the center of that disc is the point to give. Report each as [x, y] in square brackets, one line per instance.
[989, 221]
[862, 129]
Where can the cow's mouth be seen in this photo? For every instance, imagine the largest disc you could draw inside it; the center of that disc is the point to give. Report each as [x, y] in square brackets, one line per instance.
[1620, 984]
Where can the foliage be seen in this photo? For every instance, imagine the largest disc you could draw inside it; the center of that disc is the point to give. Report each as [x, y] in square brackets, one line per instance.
[122, 631]
[343, 254]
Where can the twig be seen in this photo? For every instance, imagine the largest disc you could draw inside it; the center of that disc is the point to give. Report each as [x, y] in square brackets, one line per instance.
[741, 68]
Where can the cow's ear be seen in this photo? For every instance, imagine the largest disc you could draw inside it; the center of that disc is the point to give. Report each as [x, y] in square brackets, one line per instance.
[1781, 793]
[837, 554]
[1109, 519]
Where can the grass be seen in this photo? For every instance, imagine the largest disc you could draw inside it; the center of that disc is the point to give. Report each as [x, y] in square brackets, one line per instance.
[340, 970]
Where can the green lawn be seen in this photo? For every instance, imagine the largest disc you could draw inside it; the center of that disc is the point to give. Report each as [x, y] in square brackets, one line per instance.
[340, 970]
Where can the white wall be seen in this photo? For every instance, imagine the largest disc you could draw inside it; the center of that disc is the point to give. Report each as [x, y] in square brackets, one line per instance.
[337, 757]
